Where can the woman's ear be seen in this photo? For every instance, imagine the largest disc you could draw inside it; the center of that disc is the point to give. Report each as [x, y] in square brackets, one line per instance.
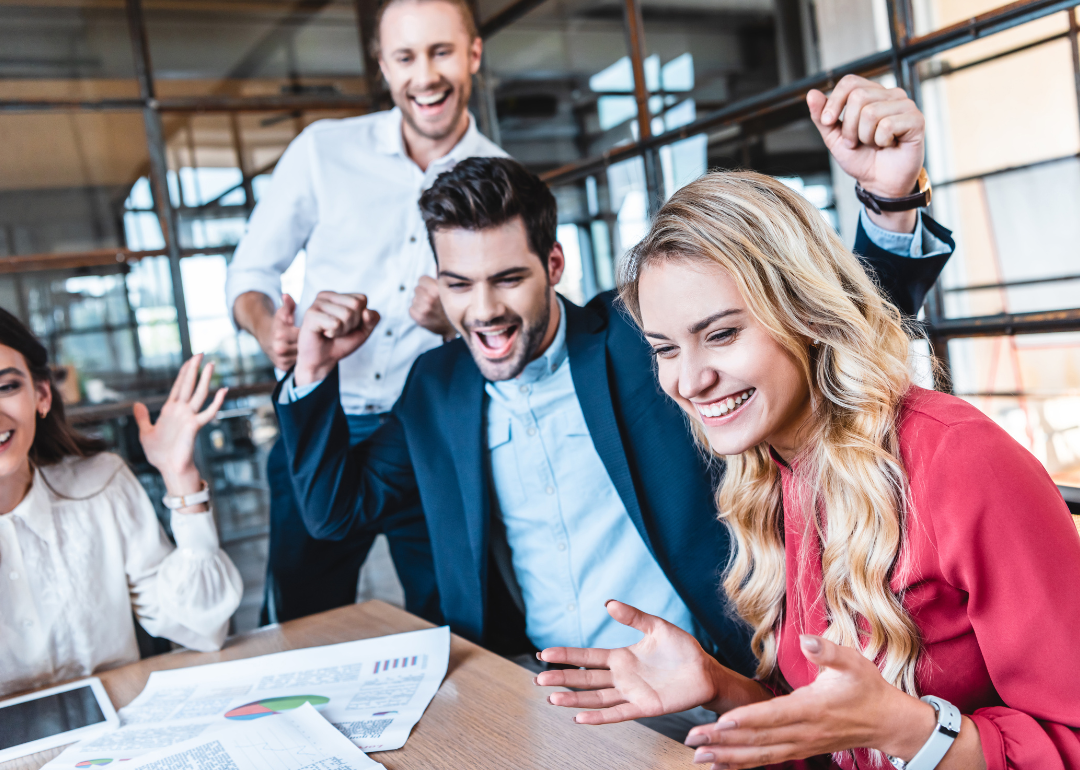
[43, 391]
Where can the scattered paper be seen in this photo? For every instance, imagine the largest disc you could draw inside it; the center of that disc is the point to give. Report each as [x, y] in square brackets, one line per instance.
[291, 740]
[373, 691]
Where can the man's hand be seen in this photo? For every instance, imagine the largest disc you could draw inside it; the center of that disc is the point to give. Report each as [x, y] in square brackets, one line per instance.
[334, 326]
[275, 331]
[666, 672]
[877, 136]
[427, 309]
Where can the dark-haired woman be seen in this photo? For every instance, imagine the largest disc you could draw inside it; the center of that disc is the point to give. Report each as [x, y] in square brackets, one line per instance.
[81, 548]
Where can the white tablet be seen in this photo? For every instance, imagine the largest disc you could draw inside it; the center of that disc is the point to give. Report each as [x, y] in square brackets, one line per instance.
[55, 717]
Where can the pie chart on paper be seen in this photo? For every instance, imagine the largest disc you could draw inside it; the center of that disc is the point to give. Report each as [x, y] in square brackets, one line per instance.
[93, 762]
[267, 706]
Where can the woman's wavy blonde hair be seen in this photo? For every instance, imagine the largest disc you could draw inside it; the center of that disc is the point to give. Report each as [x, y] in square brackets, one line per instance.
[802, 284]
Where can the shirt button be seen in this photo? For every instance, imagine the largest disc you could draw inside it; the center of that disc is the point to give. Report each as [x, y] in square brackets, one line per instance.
[531, 431]
[389, 333]
[550, 490]
[571, 607]
[561, 546]
[378, 376]
[14, 576]
[401, 288]
[412, 239]
[524, 388]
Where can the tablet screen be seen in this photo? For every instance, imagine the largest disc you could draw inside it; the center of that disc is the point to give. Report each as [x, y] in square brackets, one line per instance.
[40, 718]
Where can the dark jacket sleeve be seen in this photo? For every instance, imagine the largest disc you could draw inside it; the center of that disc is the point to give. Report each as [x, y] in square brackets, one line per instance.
[342, 490]
[904, 280]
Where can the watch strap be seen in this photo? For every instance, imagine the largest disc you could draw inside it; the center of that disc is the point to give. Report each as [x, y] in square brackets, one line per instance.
[183, 501]
[920, 197]
[940, 741]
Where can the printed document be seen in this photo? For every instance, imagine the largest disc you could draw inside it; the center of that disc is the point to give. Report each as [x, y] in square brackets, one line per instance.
[290, 740]
[373, 691]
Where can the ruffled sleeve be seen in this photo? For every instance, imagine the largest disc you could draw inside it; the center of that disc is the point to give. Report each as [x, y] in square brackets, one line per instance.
[1005, 537]
[187, 593]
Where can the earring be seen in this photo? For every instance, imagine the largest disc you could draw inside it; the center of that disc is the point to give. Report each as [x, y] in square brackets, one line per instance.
[816, 343]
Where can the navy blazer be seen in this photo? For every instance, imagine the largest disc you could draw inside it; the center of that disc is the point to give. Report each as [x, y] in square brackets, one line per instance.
[433, 446]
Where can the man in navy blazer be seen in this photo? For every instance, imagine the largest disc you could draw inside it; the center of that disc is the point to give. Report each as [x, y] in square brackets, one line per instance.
[550, 467]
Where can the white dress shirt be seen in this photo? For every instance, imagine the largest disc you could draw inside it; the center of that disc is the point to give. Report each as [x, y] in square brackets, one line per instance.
[84, 550]
[346, 192]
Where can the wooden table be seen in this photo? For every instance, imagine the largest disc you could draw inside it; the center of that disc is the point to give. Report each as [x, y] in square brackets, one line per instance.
[488, 714]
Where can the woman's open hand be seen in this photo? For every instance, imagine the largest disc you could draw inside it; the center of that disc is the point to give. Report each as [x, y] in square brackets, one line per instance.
[666, 672]
[849, 705]
[169, 443]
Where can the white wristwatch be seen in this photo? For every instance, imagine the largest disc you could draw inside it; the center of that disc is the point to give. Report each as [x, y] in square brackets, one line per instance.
[183, 501]
[935, 748]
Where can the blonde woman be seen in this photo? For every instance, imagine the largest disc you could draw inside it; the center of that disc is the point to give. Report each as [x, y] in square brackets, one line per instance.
[892, 542]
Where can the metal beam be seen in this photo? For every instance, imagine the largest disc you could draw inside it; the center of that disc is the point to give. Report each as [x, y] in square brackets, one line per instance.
[1008, 324]
[918, 48]
[159, 184]
[635, 45]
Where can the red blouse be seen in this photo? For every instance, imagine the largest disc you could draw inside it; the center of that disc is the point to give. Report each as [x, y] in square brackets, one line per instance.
[992, 580]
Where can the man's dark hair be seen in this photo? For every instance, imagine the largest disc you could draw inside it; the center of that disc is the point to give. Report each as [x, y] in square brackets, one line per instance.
[479, 193]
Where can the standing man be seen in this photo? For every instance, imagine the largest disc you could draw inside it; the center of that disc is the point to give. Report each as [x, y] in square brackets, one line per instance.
[346, 191]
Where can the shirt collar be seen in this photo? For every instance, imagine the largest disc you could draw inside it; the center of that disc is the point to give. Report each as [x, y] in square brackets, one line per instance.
[390, 141]
[35, 510]
[552, 358]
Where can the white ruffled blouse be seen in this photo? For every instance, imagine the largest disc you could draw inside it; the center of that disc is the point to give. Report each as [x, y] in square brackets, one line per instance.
[84, 550]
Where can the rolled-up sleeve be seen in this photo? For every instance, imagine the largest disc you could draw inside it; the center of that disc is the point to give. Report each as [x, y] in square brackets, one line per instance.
[279, 227]
[1008, 542]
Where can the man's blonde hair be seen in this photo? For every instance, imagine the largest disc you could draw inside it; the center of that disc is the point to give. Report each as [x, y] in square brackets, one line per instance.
[803, 285]
[463, 6]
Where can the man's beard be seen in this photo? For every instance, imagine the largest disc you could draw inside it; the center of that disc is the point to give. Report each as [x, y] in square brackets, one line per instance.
[451, 126]
[530, 338]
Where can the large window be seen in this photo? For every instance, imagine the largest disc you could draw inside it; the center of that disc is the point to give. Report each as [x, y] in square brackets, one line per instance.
[137, 136]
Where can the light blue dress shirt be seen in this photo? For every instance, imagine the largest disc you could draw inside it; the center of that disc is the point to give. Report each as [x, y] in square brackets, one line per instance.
[573, 545]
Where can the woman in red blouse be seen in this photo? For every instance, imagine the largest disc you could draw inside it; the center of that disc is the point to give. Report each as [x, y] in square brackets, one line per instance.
[891, 542]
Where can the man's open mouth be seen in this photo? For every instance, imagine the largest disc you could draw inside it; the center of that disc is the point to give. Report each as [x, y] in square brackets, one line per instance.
[496, 343]
[431, 102]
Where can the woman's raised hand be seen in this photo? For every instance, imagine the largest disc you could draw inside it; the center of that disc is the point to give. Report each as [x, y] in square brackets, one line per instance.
[169, 443]
[666, 672]
[849, 705]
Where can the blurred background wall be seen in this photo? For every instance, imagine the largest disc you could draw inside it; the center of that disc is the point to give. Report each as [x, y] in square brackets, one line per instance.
[136, 135]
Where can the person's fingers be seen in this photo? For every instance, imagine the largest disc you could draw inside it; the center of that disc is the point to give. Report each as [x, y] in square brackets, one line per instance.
[588, 657]
[723, 733]
[624, 712]
[837, 101]
[785, 710]
[142, 416]
[587, 699]
[580, 679]
[856, 103]
[826, 654]
[174, 391]
[746, 756]
[428, 284]
[210, 412]
[188, 376]
[816, 101]
[288, 305]
[203, 388]
[901, 127]
[632, 616]
[322, 323]
[872, 114]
